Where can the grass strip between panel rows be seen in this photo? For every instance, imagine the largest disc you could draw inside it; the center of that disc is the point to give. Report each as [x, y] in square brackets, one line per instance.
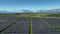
[30, 26]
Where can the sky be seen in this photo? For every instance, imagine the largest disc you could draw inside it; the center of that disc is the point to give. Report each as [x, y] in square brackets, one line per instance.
[29, 4]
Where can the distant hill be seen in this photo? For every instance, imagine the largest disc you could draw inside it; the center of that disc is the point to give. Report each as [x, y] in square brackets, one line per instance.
[29, 11]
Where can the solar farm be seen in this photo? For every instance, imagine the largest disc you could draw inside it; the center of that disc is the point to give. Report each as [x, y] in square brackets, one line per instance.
[29, 24]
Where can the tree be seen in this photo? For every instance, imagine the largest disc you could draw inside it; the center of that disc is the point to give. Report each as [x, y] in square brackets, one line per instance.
[17, 14]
